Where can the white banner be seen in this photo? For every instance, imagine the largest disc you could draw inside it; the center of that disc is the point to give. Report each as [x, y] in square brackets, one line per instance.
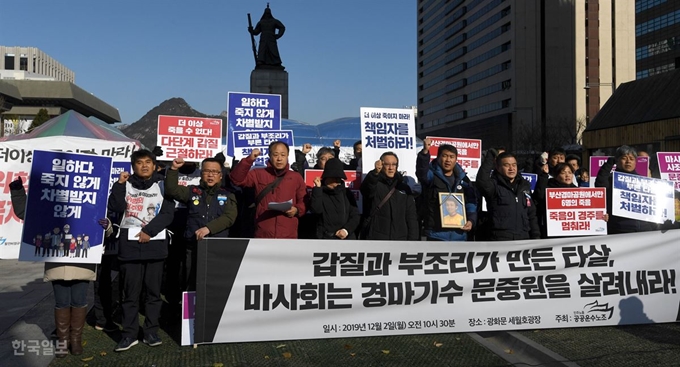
[642, 198]
[15, 160]
[256, 290]
[388, 129]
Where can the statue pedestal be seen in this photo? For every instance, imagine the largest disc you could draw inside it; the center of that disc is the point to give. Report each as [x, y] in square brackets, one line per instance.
[271, 81]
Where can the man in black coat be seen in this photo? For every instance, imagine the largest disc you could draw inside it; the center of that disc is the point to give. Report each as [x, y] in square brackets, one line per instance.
[143, 245]
[508, 198]
[389, 202]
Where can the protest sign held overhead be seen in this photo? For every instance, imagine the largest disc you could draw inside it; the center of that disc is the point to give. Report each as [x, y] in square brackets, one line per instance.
[190, 138]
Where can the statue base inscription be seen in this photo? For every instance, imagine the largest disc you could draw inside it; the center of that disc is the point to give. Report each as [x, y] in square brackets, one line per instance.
[271, 81]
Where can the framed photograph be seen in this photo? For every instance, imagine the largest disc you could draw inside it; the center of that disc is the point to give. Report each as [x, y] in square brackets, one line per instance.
[452, 210]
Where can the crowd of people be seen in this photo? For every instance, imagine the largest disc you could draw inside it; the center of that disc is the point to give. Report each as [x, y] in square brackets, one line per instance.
[157, 255]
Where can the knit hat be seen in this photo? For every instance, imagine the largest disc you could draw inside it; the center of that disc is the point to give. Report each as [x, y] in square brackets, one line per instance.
[334, 169]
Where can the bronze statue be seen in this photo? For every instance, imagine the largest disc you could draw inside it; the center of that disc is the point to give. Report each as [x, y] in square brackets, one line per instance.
[268, 51]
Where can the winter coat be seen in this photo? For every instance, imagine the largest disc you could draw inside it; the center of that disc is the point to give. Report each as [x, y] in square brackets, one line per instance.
[272, 223]
[618, 224]
[544, 182]
[205, 208]
[130, 250]
[336, 209]
[397, 218]
[511, 208]
[54, 271]
[433, 181]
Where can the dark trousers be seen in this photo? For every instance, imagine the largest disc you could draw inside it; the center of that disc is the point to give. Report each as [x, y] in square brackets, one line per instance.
[105, 297]
[135, 275]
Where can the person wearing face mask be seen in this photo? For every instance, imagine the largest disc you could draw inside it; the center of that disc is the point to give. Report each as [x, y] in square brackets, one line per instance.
[274, 184]
[389, 202]
[511, 209]
[336, 207]
[444, 175]
[625, 159]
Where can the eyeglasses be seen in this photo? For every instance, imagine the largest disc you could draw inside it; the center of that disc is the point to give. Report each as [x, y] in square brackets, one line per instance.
[211, 172]
[390, 164]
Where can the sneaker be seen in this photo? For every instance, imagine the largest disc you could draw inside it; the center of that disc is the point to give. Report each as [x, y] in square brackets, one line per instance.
[108, 327]
[125, 344]
[152, 340]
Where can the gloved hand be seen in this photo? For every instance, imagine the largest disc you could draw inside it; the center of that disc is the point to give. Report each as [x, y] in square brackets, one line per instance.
[157, 151]
[104, 222]
[17, 184]
[220, 157]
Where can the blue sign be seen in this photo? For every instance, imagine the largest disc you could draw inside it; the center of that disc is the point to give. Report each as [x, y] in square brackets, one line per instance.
[67, 196]
[532, 178]
[117, 169]
[252, 111]
[246, 141]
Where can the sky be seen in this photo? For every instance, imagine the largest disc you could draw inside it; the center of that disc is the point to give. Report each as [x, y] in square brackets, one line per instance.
[133, 55]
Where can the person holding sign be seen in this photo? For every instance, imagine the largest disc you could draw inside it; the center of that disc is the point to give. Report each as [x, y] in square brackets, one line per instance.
[69, 282]
[211, 210]
[389, 202]
[508, 197]
[142, 246]
[276, 188]
[444, 176]
[335, 205]
[625, 159]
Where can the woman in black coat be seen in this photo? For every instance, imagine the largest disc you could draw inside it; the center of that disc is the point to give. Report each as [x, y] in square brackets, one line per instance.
[335, 205]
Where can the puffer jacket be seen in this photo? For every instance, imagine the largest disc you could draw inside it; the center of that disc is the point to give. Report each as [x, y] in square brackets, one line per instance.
[434, 181]
[337, 209]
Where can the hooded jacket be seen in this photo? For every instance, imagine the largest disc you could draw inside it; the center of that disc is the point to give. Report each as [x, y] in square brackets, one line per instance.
[272, 223]
[433, 181]
[337, 209]
[131, 250]
[397, 218]
[510, 206]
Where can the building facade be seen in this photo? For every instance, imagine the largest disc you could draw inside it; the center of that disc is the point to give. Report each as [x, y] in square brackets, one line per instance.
[32, 60]
[523, 74]
[657, 36]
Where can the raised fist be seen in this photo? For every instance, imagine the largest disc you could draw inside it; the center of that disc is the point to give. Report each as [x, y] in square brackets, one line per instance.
[306, 148]
[255, 153]
[123, 177]
[177, 163]
[378, 165]
[17, 184]
[427, 143]
[336, 143]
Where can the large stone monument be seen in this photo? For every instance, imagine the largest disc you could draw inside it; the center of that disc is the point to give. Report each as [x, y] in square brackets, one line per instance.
[269, 75]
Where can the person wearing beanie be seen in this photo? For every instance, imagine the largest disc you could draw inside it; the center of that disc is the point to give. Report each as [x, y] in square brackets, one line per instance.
[335, 205]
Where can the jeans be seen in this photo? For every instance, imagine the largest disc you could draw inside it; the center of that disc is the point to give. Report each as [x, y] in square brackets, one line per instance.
[70, 293]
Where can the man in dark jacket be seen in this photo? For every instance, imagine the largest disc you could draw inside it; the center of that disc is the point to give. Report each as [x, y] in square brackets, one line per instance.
[211, 210]
[625, 159]
[508, 198]
[444, 175]
[142, 245]
[334, 204]
[389, 201]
